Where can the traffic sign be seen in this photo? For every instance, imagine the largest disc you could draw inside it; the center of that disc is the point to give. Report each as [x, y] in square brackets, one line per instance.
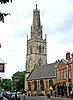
[16, 79]
[1, 67]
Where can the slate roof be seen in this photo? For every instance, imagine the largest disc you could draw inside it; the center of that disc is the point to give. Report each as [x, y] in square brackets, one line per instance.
[42, 72]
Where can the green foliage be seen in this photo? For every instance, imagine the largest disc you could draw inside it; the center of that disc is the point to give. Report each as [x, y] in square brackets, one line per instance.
[5, 84]
[20, 84]
[10, 85]
[5, 1]
[2, 15]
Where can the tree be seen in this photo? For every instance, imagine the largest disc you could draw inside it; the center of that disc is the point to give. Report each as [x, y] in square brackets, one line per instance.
[2, 15]
[6, 84]
[18, 80]
[5, 1]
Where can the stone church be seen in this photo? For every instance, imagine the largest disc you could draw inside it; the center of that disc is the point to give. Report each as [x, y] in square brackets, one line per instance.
[39, 76]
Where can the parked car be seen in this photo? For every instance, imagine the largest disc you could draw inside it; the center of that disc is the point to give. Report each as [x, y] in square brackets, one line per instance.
[6, 95]
[1, 96]
[11, 96]
[14, 96]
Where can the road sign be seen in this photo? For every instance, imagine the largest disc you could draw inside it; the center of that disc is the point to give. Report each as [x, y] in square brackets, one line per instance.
[1, 67]
[16, 79]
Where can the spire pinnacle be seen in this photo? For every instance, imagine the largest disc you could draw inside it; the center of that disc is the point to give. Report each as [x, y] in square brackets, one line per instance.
[36, 5]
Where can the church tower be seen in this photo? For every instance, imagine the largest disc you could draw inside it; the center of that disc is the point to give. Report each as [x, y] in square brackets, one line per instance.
[36, 45]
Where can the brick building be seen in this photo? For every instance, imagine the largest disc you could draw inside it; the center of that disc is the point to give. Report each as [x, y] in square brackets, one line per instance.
[63, 71]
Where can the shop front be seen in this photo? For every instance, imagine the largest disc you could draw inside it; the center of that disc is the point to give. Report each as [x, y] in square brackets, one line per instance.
[62, 87]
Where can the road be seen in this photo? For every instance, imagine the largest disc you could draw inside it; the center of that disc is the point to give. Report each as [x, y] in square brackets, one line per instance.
[34, 98]
[5, 99]
[31, 98]
[39, 98]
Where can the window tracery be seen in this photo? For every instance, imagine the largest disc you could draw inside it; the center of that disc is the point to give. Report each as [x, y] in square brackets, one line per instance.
[35, 85]
[42, 85]
[29, 86]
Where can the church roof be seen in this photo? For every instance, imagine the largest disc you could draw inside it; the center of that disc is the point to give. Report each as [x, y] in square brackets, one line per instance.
[42, 72]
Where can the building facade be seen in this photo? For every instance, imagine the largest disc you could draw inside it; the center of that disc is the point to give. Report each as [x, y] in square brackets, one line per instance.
[64, 75]
[36, 46]
[40, 77]
[41, 80]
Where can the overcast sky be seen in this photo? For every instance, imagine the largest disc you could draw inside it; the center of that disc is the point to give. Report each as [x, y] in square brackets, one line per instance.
[57, 21]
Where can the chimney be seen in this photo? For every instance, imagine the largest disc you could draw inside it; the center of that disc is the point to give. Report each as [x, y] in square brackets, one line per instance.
[67, 55]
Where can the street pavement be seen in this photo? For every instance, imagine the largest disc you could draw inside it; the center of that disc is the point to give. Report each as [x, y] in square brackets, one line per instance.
[41, 98]
[4, 98]
[31, 98]
[35, 98]
[60, 98]
[45, 98]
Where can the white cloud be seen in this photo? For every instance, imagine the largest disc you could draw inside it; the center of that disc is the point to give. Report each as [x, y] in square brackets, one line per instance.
[56, 18]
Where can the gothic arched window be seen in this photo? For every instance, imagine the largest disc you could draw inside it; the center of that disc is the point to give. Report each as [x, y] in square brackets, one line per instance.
[30, 50]
[30, 61]
[29, 86]
[43, 48]
[40, 49]
[42, 85]
[37, 47]
[40, 62]
[35, 85]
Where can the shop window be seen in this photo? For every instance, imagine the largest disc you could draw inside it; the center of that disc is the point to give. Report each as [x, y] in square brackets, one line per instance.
[69, 74]
[65, 74]
[58, 74]
[62, 75]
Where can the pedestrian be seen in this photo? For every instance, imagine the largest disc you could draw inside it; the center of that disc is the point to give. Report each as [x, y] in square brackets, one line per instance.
[70, 93]
[16, 96]
[55, 93]
[24, 96]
